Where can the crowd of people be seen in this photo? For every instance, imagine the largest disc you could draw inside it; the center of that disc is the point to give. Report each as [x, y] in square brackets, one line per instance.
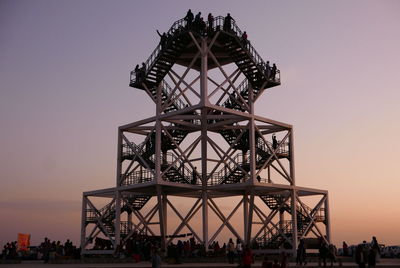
[197, 24]
[9, 251]
[46, 251]
[147, 248]
[50, 250]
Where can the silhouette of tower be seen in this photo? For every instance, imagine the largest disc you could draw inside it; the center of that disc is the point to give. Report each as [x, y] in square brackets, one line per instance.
[205, 144]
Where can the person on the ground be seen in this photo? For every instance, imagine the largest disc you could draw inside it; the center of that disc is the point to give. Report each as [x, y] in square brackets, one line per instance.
[231, 250]
[345, 249]
[239, 250]
[155, 258]
[332, 253]
[323, 251]
[266, 262]
[376, 248]
[301, 253]
[247, 257]
[359, 256]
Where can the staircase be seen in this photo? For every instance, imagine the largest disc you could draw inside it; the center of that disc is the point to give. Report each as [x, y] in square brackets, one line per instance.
[137, 202]
[167, 53]
[269, 240]
[163, 57]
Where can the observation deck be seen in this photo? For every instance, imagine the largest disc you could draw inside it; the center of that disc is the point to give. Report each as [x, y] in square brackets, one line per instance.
[228, 46]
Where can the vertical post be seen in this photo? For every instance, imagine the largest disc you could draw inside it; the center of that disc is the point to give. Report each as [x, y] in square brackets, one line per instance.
[117, 226]
[119, 158]
[291, 156]
[129, 222]
[164, 202]
[245, 217]
[161, 216]
[83, 223]
[250, 219]
[327, 219]
[293, 201]
[203, 102]
[252, 137]
[158, 135]
[281, 220]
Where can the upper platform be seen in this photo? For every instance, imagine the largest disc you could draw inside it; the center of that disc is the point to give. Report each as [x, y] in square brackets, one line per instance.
[228, 44]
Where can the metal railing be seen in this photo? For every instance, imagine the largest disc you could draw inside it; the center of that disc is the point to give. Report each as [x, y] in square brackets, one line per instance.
[179, 104]
[136, 177]
[180, 26]
[275, 231]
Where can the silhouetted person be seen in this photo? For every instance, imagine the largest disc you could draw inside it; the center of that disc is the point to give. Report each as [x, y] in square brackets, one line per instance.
[244, 38]
[345, 249]
[155, 259]
[231, 251]
[197, 22]
[268, 69]
[189, 19]
[137, 72]
[375, 247]
[274, 142]
[273, 72]
[210, 20]
[239, 250]
[194, 176]
[202, 26]
[163, 40]
[247, 257]
[301, 253]
[227, 23]
[142, 71]
[359, 256]
[323, 251]
[284, 260]
[332, 253]
[266, 263]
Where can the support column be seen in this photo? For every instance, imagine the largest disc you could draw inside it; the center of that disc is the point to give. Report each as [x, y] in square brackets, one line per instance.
[158, 136]
[281, 220]
[129, 222]
[204, 101]
[250, 219]
[327, 219]
[293, 204]
[165, 207]
[291, 152]
[83, 223]
[205, 220]
[252, 138]
[245, 217]
[117, 226]
[119, 158]
[161, 216]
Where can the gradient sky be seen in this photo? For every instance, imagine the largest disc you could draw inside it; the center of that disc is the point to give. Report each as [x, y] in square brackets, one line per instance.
[64, 71]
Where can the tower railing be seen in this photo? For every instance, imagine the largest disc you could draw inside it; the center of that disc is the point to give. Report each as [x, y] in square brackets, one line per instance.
[180, 26]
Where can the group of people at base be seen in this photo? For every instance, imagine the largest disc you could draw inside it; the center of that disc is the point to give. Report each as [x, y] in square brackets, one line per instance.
[367, 254]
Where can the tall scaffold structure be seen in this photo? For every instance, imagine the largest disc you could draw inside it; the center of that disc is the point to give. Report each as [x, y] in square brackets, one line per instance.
[205, 144]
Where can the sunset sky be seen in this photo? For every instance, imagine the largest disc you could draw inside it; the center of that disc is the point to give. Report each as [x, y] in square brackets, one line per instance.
[64, 75]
